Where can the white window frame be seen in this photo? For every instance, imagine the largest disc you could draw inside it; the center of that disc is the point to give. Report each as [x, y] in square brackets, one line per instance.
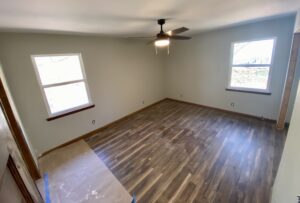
[42, 87]
[254, 90]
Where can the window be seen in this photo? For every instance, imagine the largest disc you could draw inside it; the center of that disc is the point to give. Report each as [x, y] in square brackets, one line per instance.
[63, 82]
[251, 65]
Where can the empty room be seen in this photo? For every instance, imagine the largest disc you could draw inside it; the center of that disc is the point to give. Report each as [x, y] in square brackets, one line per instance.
[149, 101]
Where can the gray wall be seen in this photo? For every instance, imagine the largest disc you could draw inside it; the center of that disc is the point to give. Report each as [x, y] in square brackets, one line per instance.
[198, 70]
[287, 183]
[120, 73]
[16, 113]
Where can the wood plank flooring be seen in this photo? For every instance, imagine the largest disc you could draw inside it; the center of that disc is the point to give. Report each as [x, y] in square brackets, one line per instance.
[177, 152]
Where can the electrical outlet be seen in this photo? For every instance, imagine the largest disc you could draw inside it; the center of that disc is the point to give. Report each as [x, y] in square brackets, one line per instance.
[93, 122]
[232, 104]
[143, 102]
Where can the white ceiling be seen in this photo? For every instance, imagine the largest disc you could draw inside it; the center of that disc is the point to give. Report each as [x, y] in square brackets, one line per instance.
[134, 17]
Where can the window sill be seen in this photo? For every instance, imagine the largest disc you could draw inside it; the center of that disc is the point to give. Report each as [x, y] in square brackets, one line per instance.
[71, 112]
[248, 91]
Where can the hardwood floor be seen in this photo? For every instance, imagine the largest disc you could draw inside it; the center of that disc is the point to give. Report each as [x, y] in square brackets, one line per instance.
[177, 152]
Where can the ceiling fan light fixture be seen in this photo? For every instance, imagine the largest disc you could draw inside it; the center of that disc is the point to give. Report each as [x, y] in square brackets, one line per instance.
[162, 42]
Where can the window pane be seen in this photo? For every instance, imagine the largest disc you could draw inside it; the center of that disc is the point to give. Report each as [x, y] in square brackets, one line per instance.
[56, 69]
[255, 52]
[250, 77]
[65, 97]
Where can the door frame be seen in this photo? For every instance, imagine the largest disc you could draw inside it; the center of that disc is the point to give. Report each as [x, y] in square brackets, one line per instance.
[18, 134]
[18, 180]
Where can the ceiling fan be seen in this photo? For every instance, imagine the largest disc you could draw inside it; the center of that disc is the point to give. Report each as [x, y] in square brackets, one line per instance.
[162, 39]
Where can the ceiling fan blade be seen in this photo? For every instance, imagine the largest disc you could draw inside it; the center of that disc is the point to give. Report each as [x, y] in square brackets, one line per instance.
[177, 31]
[178, 37]
[141, 37]
[151, 42]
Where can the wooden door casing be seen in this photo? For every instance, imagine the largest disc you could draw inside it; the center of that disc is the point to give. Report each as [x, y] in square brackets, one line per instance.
[18, 134]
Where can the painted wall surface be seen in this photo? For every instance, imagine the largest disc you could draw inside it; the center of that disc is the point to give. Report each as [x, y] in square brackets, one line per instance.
[9, 191]
[198, 70]
[297, 22]
[121, 74]
[16, 113]
[287, 183]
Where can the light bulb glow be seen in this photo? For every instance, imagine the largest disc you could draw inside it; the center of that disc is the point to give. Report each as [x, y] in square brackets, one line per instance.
[162, 42]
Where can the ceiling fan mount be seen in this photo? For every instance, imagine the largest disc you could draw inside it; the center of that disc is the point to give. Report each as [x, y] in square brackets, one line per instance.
[161, 22]
[161, 34]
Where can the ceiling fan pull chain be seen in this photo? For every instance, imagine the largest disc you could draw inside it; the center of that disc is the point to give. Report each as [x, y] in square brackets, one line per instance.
[169, 49]
[155, 50]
